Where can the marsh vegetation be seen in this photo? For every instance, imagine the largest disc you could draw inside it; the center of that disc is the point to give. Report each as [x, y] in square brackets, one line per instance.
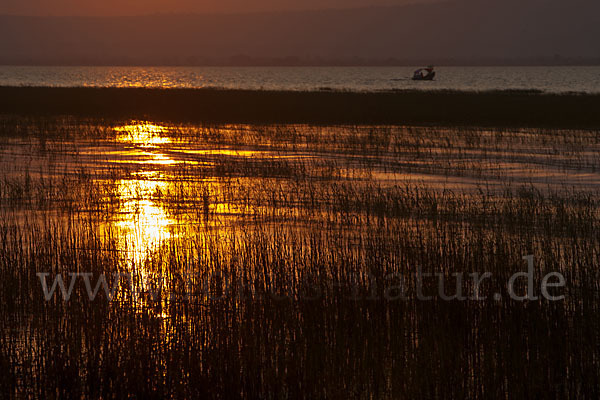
[267, 261]
[508, 108]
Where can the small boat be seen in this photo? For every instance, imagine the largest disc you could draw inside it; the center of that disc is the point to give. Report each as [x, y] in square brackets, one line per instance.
[424, 74]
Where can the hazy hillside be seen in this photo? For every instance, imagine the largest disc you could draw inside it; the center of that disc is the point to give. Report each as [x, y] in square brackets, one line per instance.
[459, 30]
[112, 8]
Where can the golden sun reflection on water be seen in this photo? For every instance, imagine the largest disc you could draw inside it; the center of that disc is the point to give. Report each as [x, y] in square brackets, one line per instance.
[144, 143]
[143, 134]
[143, 224]
[141, 221]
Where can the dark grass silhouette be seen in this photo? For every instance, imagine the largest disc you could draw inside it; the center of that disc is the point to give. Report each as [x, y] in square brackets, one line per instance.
[305, 226]
[498, 109]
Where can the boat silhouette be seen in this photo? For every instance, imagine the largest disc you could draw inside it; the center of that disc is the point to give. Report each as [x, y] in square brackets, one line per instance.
[424, 74]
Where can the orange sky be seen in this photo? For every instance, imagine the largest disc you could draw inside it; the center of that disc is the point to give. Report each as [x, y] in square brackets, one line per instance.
[143, 7]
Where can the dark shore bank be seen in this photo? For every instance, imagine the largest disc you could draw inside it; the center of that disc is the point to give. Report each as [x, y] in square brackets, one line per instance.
[498, 109]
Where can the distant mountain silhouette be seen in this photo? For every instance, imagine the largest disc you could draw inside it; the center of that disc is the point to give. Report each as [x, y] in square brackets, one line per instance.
[461, 30]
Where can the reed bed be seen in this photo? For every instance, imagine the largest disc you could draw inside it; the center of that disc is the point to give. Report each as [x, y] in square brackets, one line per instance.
[509, 108]
[281, 261]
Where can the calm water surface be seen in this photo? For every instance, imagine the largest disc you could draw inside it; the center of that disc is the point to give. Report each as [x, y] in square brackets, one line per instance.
[548, 79]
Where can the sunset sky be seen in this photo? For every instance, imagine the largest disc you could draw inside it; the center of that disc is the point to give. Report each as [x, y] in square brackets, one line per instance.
[184, 32]
[144, 7]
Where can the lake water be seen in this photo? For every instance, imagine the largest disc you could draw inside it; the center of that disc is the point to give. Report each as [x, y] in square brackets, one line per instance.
[547, 79]
[265, 261]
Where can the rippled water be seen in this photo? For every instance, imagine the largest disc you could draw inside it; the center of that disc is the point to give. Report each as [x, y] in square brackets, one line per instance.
[548, 79]
[272, 261]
